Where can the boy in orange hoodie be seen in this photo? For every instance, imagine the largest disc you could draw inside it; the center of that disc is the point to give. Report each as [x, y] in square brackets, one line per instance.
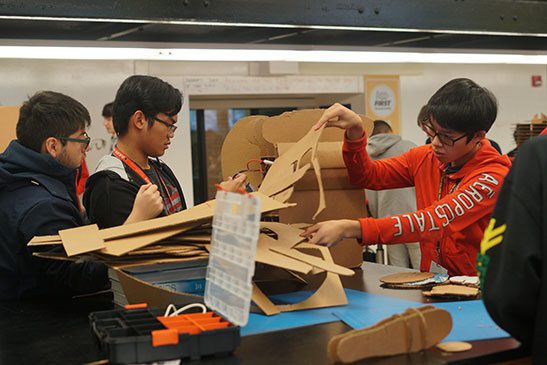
[457, 179]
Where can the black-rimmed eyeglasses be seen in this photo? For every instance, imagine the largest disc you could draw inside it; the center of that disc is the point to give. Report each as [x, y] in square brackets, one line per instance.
[172, 127]
[85, 141]
[432, 133]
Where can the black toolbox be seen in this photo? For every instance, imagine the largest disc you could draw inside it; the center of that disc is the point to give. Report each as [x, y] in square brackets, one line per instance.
[138, 334]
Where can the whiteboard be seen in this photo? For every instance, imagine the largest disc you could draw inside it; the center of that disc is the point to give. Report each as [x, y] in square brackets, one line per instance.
[249, 85]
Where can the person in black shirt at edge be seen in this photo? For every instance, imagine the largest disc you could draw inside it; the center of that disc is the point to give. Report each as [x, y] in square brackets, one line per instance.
[511, 262]
[144, 116]
[38, 195]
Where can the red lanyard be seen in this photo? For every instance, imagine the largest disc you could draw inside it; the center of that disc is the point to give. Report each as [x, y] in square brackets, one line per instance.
[136, 169]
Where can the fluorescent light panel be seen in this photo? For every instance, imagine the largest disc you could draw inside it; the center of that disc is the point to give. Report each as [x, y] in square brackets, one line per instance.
[196, 54]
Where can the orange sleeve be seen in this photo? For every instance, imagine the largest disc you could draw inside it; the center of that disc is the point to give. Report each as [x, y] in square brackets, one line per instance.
[472, 200]
[389, 173]
[80, 183]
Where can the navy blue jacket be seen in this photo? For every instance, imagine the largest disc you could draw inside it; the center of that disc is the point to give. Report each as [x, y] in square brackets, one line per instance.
[38, 197]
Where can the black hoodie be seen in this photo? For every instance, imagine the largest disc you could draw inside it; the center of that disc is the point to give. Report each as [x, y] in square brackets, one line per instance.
[511, 263]
[37, 197]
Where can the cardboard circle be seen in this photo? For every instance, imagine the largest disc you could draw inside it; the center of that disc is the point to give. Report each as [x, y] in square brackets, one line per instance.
[454, 346]
[407, 277]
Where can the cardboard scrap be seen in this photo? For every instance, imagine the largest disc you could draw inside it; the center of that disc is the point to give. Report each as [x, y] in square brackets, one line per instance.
[413, 330]
[407, 277]
[465, 280]
[314, 261]
[450, 290]
[454, 346]
[288, 168]
[81, 240]
[330, 293]
[124, 245]
[266, 256]
[122, 239]
[45, 240]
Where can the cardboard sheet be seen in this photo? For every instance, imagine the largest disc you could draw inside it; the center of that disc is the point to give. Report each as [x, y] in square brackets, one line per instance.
[377, 306]
[470, 319]
[330, 292]
[81, 239]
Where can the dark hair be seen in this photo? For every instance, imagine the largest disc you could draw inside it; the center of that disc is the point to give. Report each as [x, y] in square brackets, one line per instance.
[423, 114]
[381, 126]
[49, 114]
[147, 94]
[107, 110]
[462, 105]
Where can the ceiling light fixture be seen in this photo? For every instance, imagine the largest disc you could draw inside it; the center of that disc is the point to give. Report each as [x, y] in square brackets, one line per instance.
[219, 54]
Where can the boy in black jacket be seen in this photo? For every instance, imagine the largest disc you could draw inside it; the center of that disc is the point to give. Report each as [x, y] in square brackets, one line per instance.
[132, 184]
[511, 260]
[38, 195]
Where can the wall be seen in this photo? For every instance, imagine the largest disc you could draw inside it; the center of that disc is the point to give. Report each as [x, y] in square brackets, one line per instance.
[518, 100]
[94, 83]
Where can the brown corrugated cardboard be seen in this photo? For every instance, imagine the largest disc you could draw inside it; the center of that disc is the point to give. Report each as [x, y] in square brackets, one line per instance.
[81, 240]
[330, 293]
[126, 238]
[340, 198]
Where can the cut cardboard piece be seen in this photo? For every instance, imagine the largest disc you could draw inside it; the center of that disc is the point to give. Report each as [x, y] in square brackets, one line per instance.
[291, 126]
[266, 306]
[266, 256]
[287, 236]
[329, 154]
[333, 179]
[341, 204]
[414, 330]
[81, 240]
[291, 162]
[314, 261]
[138, 291]
[45, 240]
[406, 277]
[452, 291]
[245, 139]
[465, 280]
[121, 263]
[330, 293]
[190, 217]
[454, 346]
[126, 238]
[124, 245]
[344, 202]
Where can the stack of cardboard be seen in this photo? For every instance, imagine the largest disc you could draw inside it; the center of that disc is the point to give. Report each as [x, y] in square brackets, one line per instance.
[183, 237]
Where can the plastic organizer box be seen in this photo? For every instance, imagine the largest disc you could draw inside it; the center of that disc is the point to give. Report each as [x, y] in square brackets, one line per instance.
[138, 334]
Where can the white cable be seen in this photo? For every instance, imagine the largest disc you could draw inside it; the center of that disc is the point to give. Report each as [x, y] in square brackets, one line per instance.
[267, 162]
[176, 311]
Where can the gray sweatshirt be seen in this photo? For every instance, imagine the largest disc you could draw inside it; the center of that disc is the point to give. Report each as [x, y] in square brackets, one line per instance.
[385, 203]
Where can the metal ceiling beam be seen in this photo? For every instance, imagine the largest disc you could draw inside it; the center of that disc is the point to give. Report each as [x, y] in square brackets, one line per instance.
[524, 17]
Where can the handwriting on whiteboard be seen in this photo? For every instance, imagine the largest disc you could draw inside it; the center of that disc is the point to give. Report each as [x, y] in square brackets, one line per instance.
[234, 85]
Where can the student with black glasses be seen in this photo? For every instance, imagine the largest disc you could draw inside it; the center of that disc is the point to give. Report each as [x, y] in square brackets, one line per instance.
[131, 184]
[457, 179]
[38, 195]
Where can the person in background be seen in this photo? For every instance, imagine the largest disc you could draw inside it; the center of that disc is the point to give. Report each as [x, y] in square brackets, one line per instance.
[511, 262]
[383, 143]
[108, 125]
[38, 195]
[457, 179]
[145, 119]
